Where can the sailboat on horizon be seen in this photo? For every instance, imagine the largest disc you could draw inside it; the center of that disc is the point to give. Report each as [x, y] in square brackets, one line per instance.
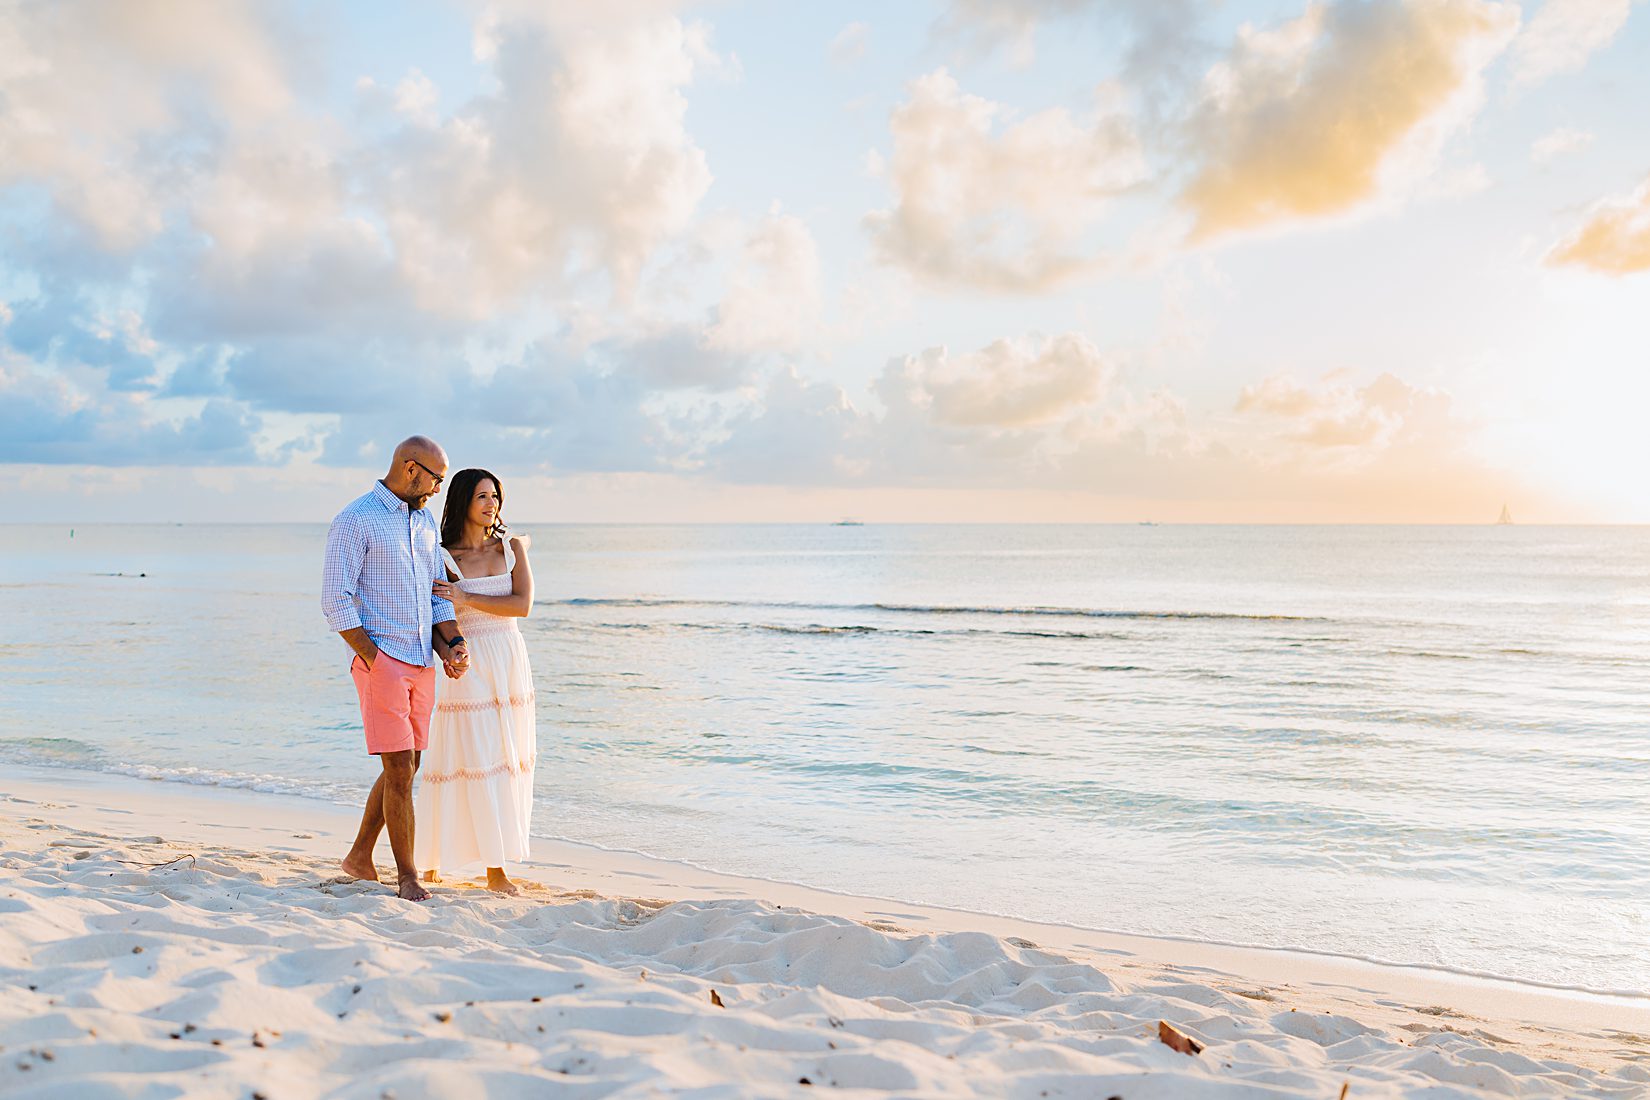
[1506, 517]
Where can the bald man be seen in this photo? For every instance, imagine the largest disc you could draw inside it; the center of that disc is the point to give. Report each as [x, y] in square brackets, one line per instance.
[383, 556]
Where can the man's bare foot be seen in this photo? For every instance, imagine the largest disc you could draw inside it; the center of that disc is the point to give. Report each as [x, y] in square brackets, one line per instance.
[498, 884]
[431, 876]
[359, 868]
[409, 890]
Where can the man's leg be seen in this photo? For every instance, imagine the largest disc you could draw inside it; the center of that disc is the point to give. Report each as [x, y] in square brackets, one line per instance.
[358, 863]
[397, 780]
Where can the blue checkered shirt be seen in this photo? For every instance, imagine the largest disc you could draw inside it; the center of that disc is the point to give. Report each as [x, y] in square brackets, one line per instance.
[382, 558]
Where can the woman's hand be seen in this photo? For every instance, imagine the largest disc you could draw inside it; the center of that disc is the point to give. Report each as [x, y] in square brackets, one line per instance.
[452, 593]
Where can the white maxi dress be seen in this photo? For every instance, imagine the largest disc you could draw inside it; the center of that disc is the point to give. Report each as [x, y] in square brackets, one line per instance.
[475, 795]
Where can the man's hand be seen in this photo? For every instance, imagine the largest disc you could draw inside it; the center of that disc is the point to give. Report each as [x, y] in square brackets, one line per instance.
[357, 639]
[455, 661]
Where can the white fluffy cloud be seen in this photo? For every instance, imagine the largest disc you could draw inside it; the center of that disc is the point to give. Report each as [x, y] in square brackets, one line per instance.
[1001, 208]
[1048, 414]
[1008, 384]
[1614, 239]
[579, 163]
[295, 259]
[773, 297]
[1339, 422]
[1325, 113]
[1563, 34]
[88, 87]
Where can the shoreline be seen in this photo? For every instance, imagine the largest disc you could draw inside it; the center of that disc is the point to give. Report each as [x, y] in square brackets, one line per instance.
[197, 942]
[553, 854]
[1602, 1031]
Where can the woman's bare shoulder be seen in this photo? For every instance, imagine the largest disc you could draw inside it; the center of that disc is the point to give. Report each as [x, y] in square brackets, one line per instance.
[523, 542]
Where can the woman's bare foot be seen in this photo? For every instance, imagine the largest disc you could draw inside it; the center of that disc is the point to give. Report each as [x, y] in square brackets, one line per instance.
[409, 890]
[498, 884]
[431, 876]
[362, 869]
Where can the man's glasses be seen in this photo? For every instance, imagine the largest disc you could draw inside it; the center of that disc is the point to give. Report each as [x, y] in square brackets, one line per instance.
[439, 478]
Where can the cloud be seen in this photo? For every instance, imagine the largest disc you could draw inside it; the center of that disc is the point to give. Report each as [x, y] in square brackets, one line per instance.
[549, 409]
[1162, 35]
[1008, 384]
[1337, 421]
[1563, 35]
[88, 87]
[1557, 143]
[1010, 25]
[675, 357]
[772, 301]
[1008, 414]
[796, 432]
[219, 255]
[1048, 414]
[1615, 238]
[45, 418]
[1324, 114]
[197, 224]
[998, 210]
[579, 163]
[850, 43]
[73, 333]
[944, 419]
[181, 127]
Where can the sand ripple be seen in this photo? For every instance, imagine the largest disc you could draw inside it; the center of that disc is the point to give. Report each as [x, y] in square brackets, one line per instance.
[237, 974]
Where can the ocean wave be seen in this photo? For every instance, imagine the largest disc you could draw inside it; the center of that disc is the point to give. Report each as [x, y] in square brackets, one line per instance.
[845, 630]
[66, 752]
[940, 609]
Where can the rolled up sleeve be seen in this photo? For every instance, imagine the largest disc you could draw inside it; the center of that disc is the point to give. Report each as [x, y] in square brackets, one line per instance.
[341, 575]
[441, 611]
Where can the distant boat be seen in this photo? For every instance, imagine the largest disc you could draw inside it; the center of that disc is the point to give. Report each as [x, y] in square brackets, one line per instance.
[1506, 517]
[1147, 523]
[848, 523]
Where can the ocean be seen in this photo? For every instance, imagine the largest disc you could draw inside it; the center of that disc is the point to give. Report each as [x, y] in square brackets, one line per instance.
[1417, 745]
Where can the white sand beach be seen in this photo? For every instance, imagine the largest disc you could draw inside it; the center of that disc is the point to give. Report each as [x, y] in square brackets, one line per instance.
[164, 940]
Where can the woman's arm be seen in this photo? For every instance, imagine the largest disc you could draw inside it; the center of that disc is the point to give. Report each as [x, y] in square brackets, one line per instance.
[516, 605]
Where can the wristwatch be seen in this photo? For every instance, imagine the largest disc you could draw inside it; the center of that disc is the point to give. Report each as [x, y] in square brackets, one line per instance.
[455, 640]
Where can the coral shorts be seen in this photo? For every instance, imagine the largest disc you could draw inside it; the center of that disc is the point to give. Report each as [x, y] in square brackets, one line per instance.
[396, 700]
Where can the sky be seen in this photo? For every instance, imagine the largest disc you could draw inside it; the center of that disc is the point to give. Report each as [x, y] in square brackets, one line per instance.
[1356, 261]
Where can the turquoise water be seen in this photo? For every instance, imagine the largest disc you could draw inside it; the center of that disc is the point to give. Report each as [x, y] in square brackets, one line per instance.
[1419, 745]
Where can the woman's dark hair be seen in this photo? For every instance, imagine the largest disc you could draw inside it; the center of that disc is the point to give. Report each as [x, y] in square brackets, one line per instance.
[461, 490]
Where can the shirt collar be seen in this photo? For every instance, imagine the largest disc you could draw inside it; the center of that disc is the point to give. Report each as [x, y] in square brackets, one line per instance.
[388, 499]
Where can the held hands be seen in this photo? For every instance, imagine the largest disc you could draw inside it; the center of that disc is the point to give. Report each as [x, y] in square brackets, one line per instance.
[457, 661]
[450, 592]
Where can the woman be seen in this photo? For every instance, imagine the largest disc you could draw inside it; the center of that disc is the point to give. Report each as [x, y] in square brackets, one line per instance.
[475, 800]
